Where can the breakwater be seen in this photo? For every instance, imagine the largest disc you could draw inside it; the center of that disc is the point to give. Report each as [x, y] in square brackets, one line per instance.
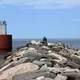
[42, 60]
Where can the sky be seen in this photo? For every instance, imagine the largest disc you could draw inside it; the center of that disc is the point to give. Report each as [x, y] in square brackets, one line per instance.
[38, 18]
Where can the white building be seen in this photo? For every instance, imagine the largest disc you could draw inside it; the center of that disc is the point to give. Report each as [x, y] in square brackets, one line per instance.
[3, 27]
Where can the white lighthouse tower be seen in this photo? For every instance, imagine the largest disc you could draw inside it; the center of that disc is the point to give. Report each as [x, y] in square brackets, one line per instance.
[3, 28]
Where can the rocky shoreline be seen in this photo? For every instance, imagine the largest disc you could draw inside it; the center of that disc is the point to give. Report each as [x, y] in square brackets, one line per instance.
[40, 60]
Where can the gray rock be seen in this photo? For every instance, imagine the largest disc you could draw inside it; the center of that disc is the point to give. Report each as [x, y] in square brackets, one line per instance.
[44, 68]
[44, 59]
[40, 63]
[60, 77]
[40, 78]
[22, 60]
[45, 47]
[49, 79]
[33, 75]
[19, 69]
[43, 78]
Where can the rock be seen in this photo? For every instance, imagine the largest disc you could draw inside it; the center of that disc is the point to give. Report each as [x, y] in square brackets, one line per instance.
[56, 66]
[62, 70]
[31, 49]
[6, 67]
[59, 58]
[71, 74]
[45, 47]
[22, 60]
[38, 43]
[33, 42]
[72, 70]
[44, 59]
[22, 68]
[76, 59]
[33, 75]
[15, 58]
[24, 48]
[21, 53]
[44, 68]
[51, 44]
[14, 63]
[73, 65]
[43, 78]
[57, 70]
[30, 53]
[49, 51]
[33, 55]
[40, 63]
[40, 78]
[60, 77]
[48, 79]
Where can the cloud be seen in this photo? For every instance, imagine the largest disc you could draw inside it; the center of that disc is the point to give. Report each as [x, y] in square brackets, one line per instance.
[42, 4]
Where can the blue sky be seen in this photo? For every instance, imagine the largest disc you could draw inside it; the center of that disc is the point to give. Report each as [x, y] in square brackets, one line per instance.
[38, 18]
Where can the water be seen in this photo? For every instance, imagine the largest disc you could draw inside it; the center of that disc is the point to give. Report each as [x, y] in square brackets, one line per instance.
[74, 43]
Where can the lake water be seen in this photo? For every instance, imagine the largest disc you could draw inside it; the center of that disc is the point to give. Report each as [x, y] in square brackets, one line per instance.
[75, 43]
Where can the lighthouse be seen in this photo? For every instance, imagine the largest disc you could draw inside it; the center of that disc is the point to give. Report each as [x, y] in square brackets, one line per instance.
[5, 39]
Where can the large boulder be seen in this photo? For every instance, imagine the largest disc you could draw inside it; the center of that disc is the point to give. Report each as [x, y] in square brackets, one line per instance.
[33, 75]
[40, 63]
[59, 58]
[22, 68]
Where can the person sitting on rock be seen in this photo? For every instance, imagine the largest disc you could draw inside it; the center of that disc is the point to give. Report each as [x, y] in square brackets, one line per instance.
[44, 40]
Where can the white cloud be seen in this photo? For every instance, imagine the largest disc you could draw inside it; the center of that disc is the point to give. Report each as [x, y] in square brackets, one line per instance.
[42, 3]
